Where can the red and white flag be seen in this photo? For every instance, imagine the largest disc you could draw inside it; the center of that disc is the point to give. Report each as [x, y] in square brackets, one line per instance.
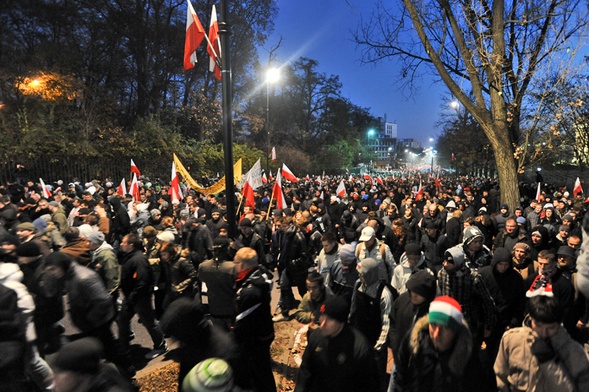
[248, 192]
[277, 193]
[175, 192]
[264, 179]
[369, 178]
[270, 178]
[287, 174]
[122, 188]
[273, 154]
[195, 33]
[45, 190]
[307, 178]
[135, 169]
[134, 189]
[254, 175]
[539, 192]
[453, 157]
[379, 180]
[419, 194]
[214, 46]
[341, 189]
[578, 188]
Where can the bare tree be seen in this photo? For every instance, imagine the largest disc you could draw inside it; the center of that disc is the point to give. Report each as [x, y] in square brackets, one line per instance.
[488, 54]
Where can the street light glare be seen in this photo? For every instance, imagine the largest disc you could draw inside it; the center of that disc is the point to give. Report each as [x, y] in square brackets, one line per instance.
[454, 104]
[272, 75]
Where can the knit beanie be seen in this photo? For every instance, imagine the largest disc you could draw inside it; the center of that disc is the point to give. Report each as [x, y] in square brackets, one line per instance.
[336, 308]
[347, 252]
[28, 249]
[445, 311]
[422, 283]
[210, 375]
[58, 259]
[80, 356]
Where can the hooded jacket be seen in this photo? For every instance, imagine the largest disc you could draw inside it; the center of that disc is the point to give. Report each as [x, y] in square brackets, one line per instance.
[403, 272]
[11, 276]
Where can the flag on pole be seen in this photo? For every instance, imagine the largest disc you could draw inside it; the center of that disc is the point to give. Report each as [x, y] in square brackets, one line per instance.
[122, 188]
[135, 169]
[46, 192]
[578, 188]
[175, 192]
[287, 174]
[214, 47]
[419, 194]
[270, 177]
[379, 180]
[248, 192]
[254, 176]
[195, 33]
[273, 154]
[134, 189]
[538, 192]
[341, 189]
[264, 179]
[277, 193]
[369, 178]
[453, 157]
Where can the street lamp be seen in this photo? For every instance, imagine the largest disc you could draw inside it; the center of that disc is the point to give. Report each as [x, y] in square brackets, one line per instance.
[272, 76]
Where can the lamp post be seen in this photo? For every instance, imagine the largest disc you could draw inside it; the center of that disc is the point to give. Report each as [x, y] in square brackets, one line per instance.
[272, 76]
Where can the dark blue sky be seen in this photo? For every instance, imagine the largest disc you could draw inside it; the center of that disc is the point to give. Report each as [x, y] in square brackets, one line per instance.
[322, 30]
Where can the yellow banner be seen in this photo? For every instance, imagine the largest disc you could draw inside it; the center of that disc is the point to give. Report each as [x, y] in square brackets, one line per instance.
[213, 189]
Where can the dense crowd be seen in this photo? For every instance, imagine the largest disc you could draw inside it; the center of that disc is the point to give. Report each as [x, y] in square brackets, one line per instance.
[464, 292]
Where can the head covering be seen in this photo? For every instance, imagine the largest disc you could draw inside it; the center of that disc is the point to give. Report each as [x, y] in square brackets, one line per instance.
[522, 246]
[53, 203]
[28, 249]
[451, 204]
[568, 217]
[166, 236]
[471, 233]
[412, 249]
[566, 251]
[367, 233]
[504, 206]
[210, 375]
[58, 259]
[482, 209]
[86, 230]
[445, 311]
[347, 252]
[422, 283]
[155, 212]
[564, 228]
[246, 222]
[369, 269]
[25, 226]
[96, 237]
[80, 356]
[521, 220]
[335, 307]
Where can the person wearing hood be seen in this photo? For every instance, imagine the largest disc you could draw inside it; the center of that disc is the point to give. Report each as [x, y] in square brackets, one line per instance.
[11, 277]
[343, 274]
[540, 240]
[372, 303]
[440, 354]
[412, 261]
[460, 280]
[103, 261]
[509, 293]
[522, 261]
[475, 253]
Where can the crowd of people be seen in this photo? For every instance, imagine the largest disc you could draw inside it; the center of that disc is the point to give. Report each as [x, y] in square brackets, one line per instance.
[464, 292]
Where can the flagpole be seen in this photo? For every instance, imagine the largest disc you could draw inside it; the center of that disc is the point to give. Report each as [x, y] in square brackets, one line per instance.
[224, 33]
[270, 205]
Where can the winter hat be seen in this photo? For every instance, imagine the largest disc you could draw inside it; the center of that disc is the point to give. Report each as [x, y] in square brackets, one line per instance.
[521, 220]
[451, 204]
[246, 222]
[28, 249]
[155, 212]
[504, 206]
[336, 308]
[40, 225]
[58, 259]
[166, 236]
[566, 251]
[568, 217]
[210, 375]
[412, 249]
[367, 233]
[422, 283]
[522, 246]
[482, 209]
[501, 254]
[445, 311]
[96, 237]
[25, 226]
[86, 230]
[471, 233]
[347, 252]
[564, 228]
[80, 356]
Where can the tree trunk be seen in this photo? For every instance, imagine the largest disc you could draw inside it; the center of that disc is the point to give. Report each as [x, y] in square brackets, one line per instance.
[507, 174]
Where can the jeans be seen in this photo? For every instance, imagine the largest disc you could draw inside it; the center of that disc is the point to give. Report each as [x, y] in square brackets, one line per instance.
[144, 308]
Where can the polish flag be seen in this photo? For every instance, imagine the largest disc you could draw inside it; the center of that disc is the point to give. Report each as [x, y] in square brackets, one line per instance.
[46, 192]
[341, 189]
[264, 179]
[287, 174]
[270, 178]
[369, 178]
[176, 193]
[134, 189]
[379, 180]
[538, 192]
[307, 178]
[135, 169]
[195, 33]
[277, 193]
[419, 194]
[248, 192]
[273, 154]
[578, 188]
[214, 47]
[122, 188]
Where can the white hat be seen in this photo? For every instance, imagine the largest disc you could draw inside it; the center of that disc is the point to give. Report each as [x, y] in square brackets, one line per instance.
[367, 233]
[166, 236]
